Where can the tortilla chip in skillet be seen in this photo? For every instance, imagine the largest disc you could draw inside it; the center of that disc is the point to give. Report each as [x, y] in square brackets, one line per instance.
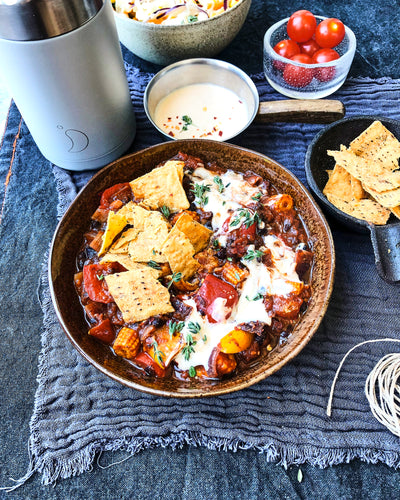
[115, 224]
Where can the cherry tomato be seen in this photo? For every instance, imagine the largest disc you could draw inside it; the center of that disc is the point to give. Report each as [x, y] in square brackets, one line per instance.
[285, 48]
[301, 26]
[212, 289]
[309, 47]
[143, 360]
[94, 282]
[297, 76]
[323, 56]
[120, 191]
[103, 331]
[329, 33]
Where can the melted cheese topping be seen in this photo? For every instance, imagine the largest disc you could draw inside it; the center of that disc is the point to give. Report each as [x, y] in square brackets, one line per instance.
[236, 193]
[279, 279]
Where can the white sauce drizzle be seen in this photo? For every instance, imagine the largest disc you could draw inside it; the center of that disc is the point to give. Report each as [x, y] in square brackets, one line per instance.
[201, 110]
[280, 279]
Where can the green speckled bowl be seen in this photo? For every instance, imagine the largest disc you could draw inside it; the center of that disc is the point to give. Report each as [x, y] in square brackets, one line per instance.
[163, 44]
[68, 238]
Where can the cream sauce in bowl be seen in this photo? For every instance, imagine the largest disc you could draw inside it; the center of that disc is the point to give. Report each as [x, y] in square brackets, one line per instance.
[201, 110]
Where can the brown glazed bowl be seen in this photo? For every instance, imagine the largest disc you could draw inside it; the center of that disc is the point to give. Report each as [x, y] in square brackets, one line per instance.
[67, 241]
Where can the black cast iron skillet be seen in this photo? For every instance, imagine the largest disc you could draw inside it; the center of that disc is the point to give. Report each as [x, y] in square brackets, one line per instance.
[385, 239]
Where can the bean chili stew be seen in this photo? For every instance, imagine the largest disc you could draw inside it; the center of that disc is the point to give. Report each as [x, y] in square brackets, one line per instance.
[194, 292]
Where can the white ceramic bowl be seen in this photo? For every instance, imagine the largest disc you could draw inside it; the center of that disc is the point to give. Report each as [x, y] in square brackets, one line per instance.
[338, 69]
[163, 44]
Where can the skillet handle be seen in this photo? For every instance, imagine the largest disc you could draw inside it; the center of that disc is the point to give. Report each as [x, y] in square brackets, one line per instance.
[386, 244]
[301, 111]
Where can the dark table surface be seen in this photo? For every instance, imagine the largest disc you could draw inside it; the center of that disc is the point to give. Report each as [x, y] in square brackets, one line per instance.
[28, 219]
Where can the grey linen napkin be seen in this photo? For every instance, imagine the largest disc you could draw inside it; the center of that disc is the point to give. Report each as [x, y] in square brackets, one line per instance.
[79, 412]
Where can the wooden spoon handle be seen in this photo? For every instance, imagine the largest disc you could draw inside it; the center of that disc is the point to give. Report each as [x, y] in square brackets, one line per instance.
[301, 111]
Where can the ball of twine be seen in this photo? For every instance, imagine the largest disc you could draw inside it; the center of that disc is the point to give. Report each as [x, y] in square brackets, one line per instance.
[383, 391]
[381, 388]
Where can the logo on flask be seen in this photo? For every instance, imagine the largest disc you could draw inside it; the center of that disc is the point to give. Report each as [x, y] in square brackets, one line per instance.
[79, 141]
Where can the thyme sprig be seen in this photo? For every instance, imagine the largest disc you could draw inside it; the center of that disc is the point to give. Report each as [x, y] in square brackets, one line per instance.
[154, 265]
[200, 195]
[165, 211]
[219, 183]
[253, 254]
[174, 279]
[189, 347]
[194, 327]
[157, 353]
[245, 216]
[175, 327]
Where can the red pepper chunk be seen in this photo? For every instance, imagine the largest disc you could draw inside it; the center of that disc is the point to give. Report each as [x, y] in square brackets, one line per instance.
[147, 363]
[212, 289]
[94, 283]
[116, 192]
[103, 331]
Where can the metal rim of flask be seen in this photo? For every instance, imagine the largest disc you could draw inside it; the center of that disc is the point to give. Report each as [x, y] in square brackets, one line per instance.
[28, 20]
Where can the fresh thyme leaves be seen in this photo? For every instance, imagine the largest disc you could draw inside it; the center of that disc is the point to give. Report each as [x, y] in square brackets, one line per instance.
[174, 279]
[192, 19]
[192, 371]
[165, 211]
[187, 121]
[256, 197]
[216, 243]
[246, 217]
[189, 347]
[253, 254]
[194, 327]
[259, 296]
[175, 327]
[100, 277]
[200, 191]
[204, 339]
[219, 183]
[157, 353]
[154, 265]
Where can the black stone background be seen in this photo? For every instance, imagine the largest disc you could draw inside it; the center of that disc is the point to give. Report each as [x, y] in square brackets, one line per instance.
[27, 223]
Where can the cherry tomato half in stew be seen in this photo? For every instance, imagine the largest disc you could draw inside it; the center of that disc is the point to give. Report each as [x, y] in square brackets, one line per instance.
[298, 76]
[216, 298]
[117, 192]
[309, 47]
[301, 26]
[285, 48]
[323, 56]
[147, 363]
[94, 282]
[329, 33]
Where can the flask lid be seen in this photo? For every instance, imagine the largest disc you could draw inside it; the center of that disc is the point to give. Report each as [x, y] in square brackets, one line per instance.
[41, 19]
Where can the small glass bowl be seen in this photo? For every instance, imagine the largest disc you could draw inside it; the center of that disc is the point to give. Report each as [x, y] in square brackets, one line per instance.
[332, 77]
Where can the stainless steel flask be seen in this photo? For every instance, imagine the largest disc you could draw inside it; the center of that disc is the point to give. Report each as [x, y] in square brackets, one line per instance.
[61, 62]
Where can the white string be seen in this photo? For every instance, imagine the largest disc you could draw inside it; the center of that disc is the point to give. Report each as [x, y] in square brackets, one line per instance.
[382, 390]
[329, 406]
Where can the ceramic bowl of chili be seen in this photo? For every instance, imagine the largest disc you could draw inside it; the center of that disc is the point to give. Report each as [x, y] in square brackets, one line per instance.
[67, 243]
[297, 66]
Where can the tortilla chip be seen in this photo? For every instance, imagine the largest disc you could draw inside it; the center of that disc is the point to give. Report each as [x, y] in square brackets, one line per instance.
[179, 252]
[115, 224]
[129, 264]
[396, 211]
[369, 172]
[365, 209]
[389, 199]
[198, 234]
[138, 294]
[122, 243]
[339, 184]
[162, 186]
[379, 144]
[148, 242]
[357, 190]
